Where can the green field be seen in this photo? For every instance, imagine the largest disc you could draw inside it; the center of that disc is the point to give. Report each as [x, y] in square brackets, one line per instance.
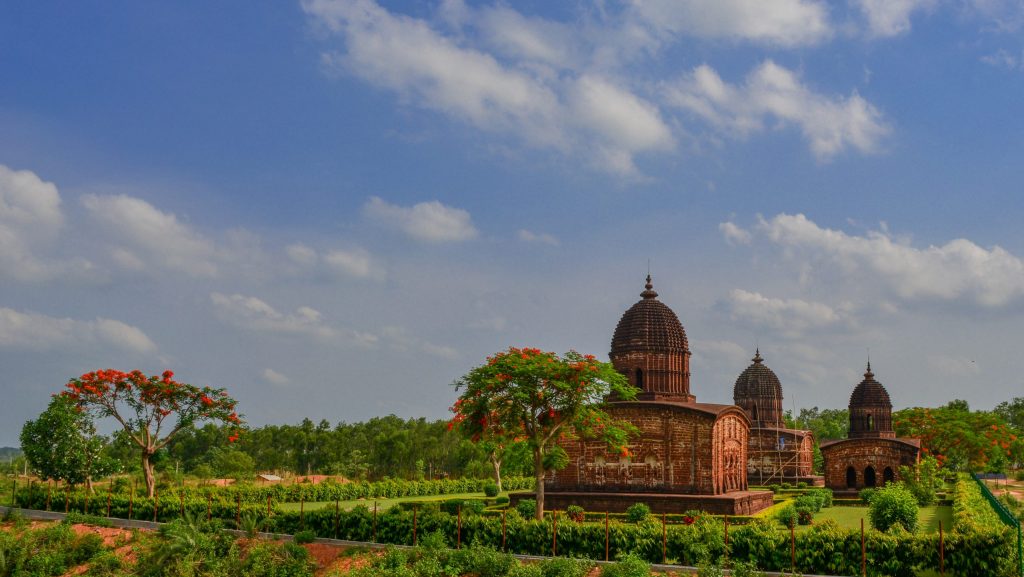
[381, 503]
[849, 517]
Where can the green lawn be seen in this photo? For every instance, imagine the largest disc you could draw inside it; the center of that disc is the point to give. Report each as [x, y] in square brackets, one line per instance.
[381, 503]
[928, 518]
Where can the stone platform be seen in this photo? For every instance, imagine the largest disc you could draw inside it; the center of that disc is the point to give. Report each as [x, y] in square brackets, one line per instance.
[736, 503]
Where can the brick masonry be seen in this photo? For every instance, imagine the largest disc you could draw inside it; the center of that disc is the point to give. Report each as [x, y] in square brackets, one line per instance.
[858, 460]
[772, 460]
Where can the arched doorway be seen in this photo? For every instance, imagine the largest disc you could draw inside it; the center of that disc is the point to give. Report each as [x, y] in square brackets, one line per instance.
[869, 476]
[639, 379]
[888, 476]
[851, 478]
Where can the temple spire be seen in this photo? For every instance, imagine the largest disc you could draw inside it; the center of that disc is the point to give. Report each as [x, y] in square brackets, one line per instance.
[648, 289]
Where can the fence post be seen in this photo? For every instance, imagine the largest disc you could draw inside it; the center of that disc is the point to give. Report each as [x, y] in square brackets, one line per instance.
[458, 530]
[85, 508]
[67, 499]
[503, 548]
[337, 519]
[302, 512]
[156, 503]
[414, 509]
[110, 490]
[14, 494]
[942, 551]
[238, 510]
[268, 504]
[554, 533]
[181, 501]
[664, 540]
[374, 521]
[792, 548]
[726, 564]
[606, 535]
[863, 551]
[131, 502]
[49, 495]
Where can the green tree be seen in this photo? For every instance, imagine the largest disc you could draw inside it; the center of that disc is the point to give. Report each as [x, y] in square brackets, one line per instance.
[960, 439]
[144, 406]
[62, 444]
[538, 397]
[922, 479]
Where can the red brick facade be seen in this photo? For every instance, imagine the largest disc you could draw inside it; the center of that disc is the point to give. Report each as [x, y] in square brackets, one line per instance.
[853, 464]
[682, 448]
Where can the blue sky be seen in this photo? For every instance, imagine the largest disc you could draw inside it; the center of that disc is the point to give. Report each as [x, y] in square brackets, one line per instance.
[336, 208]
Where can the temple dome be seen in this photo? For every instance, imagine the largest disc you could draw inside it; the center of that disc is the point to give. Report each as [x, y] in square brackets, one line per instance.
[759, 392]
[649, 326]
[870, 409]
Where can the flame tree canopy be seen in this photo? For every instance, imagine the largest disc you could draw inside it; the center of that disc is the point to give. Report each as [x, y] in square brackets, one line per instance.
[538, 397]
[151, 409]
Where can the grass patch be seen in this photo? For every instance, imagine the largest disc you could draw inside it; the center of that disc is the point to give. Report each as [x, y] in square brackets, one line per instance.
[849, 518]
[382, 504]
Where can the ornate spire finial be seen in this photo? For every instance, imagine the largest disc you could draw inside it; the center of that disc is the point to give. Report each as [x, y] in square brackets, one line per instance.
[869, 374]
[757, 356]
[648, 289]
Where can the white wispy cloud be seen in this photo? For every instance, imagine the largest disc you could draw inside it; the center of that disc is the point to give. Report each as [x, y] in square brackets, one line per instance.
[31, 220]
[958, 271]
[254, 314]
[891, 17]
[734, 234]
[34, 331]
[426, 221]
[353, 262]
[147, 235]
[537, 237]
[829, 124]
[275, 378]
[786, 23]
[790, 317]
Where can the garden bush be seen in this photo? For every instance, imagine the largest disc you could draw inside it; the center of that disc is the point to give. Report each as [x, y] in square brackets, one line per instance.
[303, 537]
[501, 500]
[575, 513]
[892, 505]
[629, 566]
[491, 489]
[527, 508]
[867, 494]
[787, 516]
[637, 512]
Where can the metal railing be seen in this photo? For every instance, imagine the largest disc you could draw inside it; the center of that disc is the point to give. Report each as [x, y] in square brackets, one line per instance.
[1006, 517]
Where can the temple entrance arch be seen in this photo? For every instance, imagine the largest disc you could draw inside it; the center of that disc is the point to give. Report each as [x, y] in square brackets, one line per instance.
[851, 477]
[888, 476]
[869, 476]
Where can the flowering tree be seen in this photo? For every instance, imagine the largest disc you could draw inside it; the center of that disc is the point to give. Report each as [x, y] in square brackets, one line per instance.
[144, 406]
[62, 444]
[538, 397]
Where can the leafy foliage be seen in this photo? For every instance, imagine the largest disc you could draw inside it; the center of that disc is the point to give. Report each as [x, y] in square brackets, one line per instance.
[537, 397]
[894, 504]
[961, 439]
[62, 444]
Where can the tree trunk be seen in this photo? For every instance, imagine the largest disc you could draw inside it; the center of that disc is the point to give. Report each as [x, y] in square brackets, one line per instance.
[496, 463]
[88, 485]
[147, 470]
[538, 471]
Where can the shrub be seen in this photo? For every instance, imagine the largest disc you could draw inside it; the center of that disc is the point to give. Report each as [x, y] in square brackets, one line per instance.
[823, 495]
[491, 489]
[526, 570]
[1019, 475]
[576, 513]
[637, 512]
[892, 505]
[804, 517]
[808, 502]
[776, 488]
[527, 508]
[307, 536]
[787, 516]
[473, 507]
[801, 485]
[787, 486]
[631, 565]
[746, 569]
[501, 500]
[565, 567]
[867, 494]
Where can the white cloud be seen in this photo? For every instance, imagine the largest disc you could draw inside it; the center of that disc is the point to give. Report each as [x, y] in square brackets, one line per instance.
[576, 112]
[959, 270]
[891, 17]
[31, 220]
[427, 221]
[275, 378]
[401, 339]
[789, 317]
[34, 331]
[537, 237]
[354, 262]
[734, 234]
[1005, 59]
[830, 124]
[254, 314]
[151, 237]
[785, 23]
[301, 254]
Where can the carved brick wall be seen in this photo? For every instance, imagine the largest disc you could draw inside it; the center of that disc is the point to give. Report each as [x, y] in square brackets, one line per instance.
[865, 457]
[678, 450]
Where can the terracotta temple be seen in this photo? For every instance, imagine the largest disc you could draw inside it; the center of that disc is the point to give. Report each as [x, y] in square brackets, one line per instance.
[775, 453]
[871, 455]
[688, 455]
